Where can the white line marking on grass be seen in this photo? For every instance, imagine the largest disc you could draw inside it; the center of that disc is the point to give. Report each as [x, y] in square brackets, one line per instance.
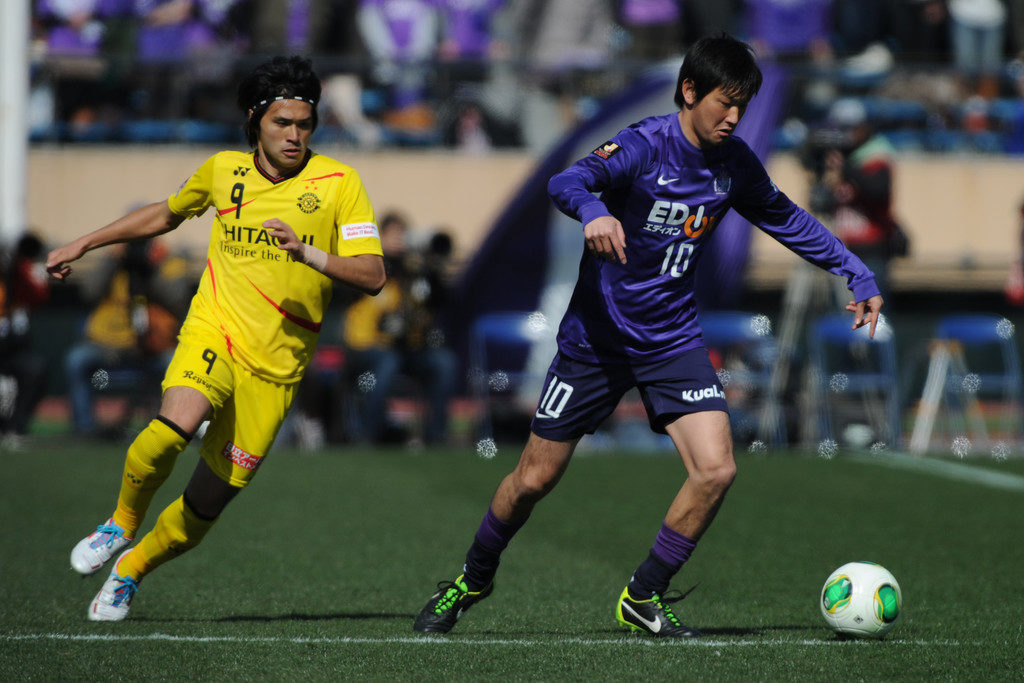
[437, 640]
[957, 471]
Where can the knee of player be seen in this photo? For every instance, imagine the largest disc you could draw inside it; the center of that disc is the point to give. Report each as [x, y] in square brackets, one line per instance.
[536, 481]
[718, 475]
[723, 474]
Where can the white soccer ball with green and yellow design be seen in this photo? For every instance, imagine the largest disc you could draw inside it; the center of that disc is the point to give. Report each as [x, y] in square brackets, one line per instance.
[861, 599]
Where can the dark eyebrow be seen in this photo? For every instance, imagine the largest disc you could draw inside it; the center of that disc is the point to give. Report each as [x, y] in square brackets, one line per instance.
[285, 120]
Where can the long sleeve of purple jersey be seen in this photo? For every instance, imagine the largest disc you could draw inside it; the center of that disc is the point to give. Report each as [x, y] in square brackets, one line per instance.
[614, 164]
[761, 203]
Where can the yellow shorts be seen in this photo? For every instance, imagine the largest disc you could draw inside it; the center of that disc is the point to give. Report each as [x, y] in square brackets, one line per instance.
[247, 410]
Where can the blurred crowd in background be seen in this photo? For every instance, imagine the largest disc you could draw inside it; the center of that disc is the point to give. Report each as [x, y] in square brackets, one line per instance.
[867, 79]
[111, 335]
[940, 75]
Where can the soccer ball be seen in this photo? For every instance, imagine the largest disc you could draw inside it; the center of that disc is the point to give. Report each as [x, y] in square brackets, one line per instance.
[861, 599]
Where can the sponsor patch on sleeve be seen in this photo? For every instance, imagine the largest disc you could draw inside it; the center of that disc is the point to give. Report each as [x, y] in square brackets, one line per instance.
[353, 231]
[607, 150]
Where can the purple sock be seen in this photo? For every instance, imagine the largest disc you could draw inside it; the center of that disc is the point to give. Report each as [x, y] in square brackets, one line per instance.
[485, 554]
[495, 534]
[671, 549]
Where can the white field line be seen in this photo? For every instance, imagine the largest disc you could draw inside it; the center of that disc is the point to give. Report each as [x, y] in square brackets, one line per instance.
[956, 471]
[435, 641]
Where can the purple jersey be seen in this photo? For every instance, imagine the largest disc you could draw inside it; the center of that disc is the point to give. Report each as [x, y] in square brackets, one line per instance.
[669, 195]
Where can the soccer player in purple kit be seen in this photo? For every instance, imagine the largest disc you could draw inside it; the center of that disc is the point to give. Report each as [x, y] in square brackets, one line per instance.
[665, 183]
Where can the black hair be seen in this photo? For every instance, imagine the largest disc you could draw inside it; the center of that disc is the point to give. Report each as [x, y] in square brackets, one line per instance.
[394, 217]
[719, 61]
[440, 244]
[281, 77]
[29, 246]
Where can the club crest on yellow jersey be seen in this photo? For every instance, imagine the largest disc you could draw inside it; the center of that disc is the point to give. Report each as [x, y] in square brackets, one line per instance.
[308, 202]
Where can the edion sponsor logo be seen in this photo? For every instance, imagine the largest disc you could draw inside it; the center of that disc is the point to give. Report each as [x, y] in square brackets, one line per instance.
[241, 458]
[694, 395]
[666, 215]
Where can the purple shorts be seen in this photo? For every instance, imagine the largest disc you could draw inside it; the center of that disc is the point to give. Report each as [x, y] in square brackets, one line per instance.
[577, 397]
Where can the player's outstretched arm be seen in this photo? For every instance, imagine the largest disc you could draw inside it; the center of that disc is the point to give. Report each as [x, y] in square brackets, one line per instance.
[364, 272]
[147, 221]
[865, 312]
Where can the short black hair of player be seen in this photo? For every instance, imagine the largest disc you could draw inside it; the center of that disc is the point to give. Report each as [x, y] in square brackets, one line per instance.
[284, 77]
[719, 61]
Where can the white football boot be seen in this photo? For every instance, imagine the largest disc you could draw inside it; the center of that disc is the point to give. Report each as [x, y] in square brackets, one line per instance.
[96, 549]
[115, 598]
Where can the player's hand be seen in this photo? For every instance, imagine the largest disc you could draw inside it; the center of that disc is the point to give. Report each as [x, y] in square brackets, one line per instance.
[286, 238]
[865, 312]
[605, 239]
[57, 260]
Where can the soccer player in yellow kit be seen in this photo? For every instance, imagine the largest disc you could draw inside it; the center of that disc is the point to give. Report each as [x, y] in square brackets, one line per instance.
[286, 223]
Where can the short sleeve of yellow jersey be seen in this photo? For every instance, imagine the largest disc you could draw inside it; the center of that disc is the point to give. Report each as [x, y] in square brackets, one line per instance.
[357, 226]
[196, 194]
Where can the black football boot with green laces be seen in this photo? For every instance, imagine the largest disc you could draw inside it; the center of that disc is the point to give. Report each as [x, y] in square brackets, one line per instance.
[653, 615]
[447, 605]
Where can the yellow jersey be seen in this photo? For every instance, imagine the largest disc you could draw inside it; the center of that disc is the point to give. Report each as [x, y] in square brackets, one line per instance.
[269, 306]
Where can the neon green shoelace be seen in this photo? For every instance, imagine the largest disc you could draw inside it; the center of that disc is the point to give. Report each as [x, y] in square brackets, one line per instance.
[447, 601]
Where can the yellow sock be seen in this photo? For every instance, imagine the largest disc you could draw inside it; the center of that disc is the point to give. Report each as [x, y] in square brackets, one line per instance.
[177, 530]
[150, 461]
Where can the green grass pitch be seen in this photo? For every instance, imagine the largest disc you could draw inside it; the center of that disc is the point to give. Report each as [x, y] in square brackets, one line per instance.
[318, 570]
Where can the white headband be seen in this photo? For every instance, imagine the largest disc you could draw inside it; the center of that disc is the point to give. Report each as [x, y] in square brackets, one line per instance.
[284, 97]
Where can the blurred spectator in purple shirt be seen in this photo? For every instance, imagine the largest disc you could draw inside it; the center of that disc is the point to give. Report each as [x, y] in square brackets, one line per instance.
[654, 27]
[467, 29]
[74, 28]
[170, 31]
[402, 36]
[71, 86]
[183, 46]
[304, 26]
[790, 27]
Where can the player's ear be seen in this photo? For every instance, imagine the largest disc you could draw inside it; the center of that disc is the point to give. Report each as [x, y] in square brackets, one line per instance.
[689, 91]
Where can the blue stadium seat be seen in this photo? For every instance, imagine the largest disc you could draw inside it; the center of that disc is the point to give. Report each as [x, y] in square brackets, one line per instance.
[991, 360]
[905, 139]
[499, 344]
[885, 112]
[748, 337]
[149, 130]
[846, 361]
[91, 132]
[205, 132]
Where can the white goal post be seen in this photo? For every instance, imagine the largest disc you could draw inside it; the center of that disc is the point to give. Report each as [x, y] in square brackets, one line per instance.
[14, 34]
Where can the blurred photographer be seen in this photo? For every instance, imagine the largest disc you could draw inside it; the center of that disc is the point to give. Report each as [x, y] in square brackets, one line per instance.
[853, 187]
[23, 286]
[141, 294]
[398, 332]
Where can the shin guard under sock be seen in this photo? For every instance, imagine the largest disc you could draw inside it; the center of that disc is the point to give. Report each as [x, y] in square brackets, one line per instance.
[150, 460]
[485, 554]
[177, 530]
[670, 551]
